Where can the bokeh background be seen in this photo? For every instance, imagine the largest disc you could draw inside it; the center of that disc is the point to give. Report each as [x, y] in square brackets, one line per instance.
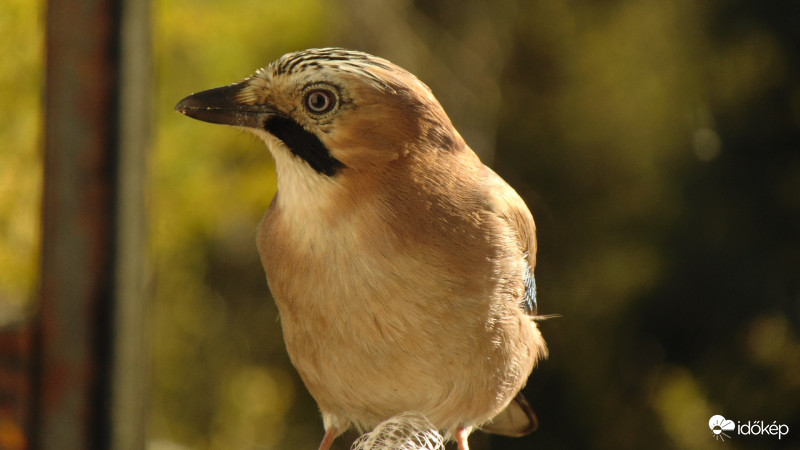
[657, 144]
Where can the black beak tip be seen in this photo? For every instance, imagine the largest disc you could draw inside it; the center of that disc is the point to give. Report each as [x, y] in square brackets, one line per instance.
[180, 107]
[186, 104]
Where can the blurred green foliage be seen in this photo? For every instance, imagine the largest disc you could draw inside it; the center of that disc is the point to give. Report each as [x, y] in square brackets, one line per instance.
[21, 44]
[221, 377]
[655, 142]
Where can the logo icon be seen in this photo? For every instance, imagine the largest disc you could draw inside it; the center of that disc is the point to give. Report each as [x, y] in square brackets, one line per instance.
[719, 425]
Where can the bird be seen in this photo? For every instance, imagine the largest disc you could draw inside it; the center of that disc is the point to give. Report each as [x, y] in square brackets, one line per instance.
[402, 267]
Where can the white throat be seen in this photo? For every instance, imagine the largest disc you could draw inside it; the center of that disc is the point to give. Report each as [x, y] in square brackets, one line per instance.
[303, 192]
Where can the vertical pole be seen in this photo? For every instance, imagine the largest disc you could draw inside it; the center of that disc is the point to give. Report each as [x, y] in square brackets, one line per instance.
[15, 382]
[130, 370]
[93, 241]
[74, 340]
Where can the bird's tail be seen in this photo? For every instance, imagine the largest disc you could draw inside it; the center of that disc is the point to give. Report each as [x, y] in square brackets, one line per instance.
[518, 419]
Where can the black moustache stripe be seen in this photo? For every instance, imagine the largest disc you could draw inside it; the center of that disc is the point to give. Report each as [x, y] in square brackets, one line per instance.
[304, 144]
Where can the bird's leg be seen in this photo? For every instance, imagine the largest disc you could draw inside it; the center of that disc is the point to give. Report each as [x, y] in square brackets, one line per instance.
[461, 437]
[330, 435]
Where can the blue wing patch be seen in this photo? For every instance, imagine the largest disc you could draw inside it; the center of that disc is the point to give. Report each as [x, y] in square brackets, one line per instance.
[529, 301]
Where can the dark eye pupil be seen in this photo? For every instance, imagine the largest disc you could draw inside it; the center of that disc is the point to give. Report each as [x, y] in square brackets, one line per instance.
[319, 101]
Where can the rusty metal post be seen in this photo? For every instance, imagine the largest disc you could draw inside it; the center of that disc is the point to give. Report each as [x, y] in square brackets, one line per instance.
[91, 278]
[15, 384]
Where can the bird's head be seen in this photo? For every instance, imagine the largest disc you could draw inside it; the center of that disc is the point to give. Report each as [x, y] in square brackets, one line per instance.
[330, 111]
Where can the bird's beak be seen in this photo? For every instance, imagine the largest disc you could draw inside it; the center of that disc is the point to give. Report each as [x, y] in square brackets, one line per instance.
[222, 105]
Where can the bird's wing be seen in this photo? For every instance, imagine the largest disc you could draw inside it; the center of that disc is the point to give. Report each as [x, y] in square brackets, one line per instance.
[510, 206]
[518, 418]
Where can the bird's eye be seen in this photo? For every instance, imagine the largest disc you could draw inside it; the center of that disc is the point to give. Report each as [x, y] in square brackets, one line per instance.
[320, 101]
